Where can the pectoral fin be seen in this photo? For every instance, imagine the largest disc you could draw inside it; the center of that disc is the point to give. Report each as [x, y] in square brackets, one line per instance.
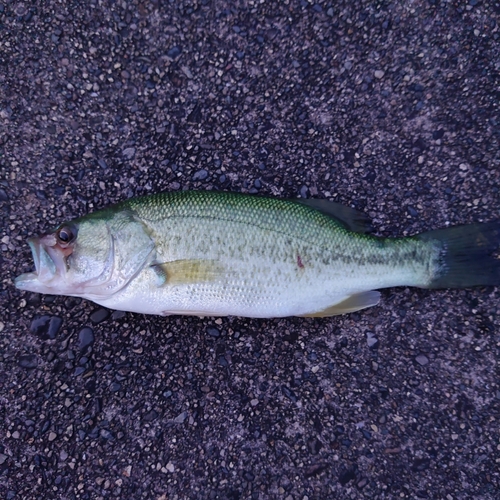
[352, 303]
[186, 271]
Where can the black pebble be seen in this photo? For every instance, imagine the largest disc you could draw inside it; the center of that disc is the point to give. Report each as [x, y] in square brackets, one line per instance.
[174, 52]
[347, 476]
[289, 393]
[213, 332]
[115, 386]
[28, 361]
[412, 211]
[46, 327]
[99, 315]
[85, 338]
[102, 163]
[118, 315]
[201, 175]
[3, 195]
[438, 134]
[223, 361]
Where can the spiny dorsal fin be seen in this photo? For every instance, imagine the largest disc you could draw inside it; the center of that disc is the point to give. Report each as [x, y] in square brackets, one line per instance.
[350, 304]
[350, 218]
[182, 272]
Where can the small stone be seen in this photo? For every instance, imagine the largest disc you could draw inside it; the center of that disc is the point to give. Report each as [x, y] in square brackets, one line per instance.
[52, 436]
[422, 359]
[2, 326]
[3, 458]
[46, 327]
[129, 153]
[170, 467]
[179, 419]
[213, 332]
[99, 315]
[201, 175]
[174, 52]
[289, 393]
[412, 211]
[102, 163]
[115, 386]
[3, 195]
[85, 338]
[28, 361]
[379, 74]
[118, 315]
[371, 340]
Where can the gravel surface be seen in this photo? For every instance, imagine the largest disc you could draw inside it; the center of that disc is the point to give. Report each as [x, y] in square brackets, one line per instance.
[391, 108]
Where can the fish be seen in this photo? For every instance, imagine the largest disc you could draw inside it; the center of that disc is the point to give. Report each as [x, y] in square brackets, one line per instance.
[208, 253]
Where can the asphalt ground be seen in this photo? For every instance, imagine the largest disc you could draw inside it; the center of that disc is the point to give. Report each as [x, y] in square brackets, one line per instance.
[389, 107]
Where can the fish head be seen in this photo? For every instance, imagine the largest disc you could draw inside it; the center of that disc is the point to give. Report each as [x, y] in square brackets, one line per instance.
[92, 257]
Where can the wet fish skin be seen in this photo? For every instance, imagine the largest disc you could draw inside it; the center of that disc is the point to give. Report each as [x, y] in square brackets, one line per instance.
[214, 254]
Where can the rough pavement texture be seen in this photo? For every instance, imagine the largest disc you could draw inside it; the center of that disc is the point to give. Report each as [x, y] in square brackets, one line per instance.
[388, 107]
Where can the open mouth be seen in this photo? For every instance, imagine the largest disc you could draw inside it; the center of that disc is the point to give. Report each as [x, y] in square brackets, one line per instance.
[49, 260]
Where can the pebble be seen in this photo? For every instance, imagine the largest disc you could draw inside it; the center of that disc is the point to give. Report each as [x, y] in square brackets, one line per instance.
[3, 195]
[118, 315]
[289, 393]
[129, 153]
[174, 52]
[412, 211]
[28, 361]
[99, 315]
[371, 340]
[102, 163]
[379, 74]
[46, 327]
[179, 419]
[115, 386]
[213, 332]
[85, 338]
[422, 359]
[201, 175]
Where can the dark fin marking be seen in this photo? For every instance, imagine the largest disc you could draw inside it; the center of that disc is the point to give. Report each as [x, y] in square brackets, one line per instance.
[181, 272]
[467, 255]
[353, 303]
[348, 217]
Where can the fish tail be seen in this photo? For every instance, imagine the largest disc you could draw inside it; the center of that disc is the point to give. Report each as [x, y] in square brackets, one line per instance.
[468, 255]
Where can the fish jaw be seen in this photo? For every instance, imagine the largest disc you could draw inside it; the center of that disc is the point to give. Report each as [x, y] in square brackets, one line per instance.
[50, 266]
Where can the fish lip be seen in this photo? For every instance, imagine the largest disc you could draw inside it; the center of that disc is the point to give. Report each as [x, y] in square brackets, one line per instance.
[34, 244]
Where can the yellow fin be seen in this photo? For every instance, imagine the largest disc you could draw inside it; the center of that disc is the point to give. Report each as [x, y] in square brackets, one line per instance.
[353, 303]
[182, 272]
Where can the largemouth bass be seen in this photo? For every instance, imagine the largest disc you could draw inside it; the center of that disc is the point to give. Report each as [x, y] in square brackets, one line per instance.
[217, 254]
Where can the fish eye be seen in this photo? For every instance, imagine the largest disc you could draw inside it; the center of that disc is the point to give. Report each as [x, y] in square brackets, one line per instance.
[65, 235]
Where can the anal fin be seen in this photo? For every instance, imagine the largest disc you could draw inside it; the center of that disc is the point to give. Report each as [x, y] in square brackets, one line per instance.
[187, 271]
[353, 303]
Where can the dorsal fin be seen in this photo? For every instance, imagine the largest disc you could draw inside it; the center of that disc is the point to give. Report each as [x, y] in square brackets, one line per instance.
[350, 218]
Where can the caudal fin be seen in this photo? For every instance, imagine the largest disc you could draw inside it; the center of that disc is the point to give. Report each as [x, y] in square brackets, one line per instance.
[469, 255]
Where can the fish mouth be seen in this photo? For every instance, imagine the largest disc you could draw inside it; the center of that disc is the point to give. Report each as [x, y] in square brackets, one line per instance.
[50, 262]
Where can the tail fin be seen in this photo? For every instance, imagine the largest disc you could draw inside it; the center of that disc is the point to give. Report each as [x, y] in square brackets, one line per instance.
[469, 255]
